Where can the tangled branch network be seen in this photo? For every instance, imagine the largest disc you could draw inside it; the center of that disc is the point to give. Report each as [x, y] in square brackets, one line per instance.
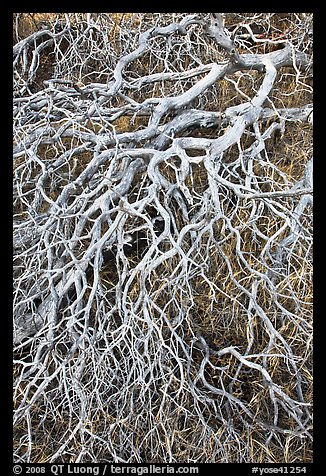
[163, 238]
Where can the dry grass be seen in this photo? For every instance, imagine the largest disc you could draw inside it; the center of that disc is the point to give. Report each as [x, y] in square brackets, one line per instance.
[222, 317]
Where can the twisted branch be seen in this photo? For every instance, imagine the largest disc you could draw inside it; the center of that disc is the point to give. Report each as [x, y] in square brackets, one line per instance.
[162, 249]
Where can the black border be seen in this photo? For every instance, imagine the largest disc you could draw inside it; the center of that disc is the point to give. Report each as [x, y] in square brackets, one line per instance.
[6, 432]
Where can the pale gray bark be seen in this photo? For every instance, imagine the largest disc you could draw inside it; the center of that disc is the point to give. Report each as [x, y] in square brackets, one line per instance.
[130, 189]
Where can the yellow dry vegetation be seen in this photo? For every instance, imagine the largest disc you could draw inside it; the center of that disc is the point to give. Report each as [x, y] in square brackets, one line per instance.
[213, 317]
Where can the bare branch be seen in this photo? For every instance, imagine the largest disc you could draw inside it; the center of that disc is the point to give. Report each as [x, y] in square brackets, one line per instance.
[162, 238]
